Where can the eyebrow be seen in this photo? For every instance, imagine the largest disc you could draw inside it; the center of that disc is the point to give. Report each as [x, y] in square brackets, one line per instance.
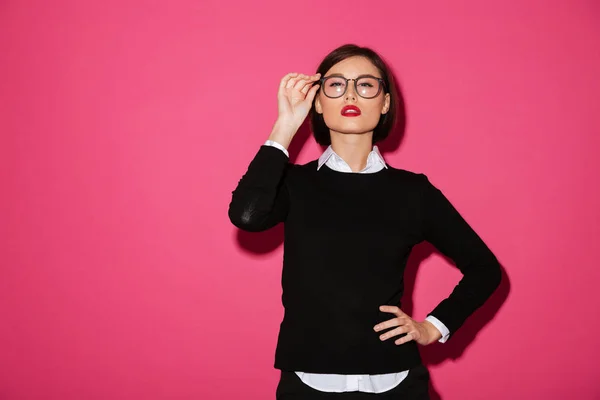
[359, 76]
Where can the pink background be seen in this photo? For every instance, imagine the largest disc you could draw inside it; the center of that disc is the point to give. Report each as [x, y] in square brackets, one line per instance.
[125, 125]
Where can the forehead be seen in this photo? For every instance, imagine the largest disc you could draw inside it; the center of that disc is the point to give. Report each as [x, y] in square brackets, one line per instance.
[354, 66]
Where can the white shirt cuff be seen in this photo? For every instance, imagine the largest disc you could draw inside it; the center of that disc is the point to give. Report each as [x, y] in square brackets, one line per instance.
[440, 327]
[280, 147]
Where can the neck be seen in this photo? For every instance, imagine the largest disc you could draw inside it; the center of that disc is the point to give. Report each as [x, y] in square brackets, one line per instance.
[352, 148]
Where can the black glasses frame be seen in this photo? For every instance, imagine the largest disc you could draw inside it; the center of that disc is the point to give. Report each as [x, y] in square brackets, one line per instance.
[381, 85]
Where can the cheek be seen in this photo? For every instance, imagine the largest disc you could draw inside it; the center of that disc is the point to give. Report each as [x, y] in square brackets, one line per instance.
[329, 106]
[372, 113]
[331, 112]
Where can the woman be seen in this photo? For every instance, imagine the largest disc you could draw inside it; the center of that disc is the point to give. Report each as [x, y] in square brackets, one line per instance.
[350, 221]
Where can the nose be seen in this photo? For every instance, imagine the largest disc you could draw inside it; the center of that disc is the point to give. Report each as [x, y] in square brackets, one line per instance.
[350, 93]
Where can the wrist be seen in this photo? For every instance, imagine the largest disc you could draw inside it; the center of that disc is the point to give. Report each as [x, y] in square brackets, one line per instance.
[283, 133]
[432, 332]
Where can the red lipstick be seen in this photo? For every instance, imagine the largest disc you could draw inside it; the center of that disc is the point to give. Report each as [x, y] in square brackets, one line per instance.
[350, 111]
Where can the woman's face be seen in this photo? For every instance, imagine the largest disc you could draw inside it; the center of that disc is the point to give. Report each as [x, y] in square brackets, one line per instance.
[334, 110]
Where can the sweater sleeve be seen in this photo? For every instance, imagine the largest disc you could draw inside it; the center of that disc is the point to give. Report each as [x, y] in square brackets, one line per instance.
[447, 230]
[260, 200]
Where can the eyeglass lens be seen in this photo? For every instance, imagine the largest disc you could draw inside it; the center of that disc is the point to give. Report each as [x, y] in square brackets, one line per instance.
[366, 87]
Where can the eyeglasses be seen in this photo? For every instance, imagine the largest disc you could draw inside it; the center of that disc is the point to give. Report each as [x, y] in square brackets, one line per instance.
[366, 86]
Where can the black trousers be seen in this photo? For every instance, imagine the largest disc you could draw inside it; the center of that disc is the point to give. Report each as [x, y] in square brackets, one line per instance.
[414, 387]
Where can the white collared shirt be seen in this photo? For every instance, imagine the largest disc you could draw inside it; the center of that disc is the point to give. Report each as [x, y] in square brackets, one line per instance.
[375, 162]
[362, 383]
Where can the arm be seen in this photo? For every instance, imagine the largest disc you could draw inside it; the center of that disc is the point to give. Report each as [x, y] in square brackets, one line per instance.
[260, 200]
[446, 229]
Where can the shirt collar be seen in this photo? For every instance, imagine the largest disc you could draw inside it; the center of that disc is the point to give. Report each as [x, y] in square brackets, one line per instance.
[374, 157]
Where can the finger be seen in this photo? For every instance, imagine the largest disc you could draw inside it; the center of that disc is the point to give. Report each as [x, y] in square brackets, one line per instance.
[311, 93]
[306, 88]
[300, 82]
[292, 82]
[286, 79]
[389, 324]
[409, 336]
[393, 310]
[395, 332]
[305, 83]
[310, 84]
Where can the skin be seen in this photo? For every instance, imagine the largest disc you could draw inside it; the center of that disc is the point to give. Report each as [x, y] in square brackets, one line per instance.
[352, 140]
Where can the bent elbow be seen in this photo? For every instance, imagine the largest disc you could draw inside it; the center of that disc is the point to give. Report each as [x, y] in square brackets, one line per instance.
[244, 218]
[494, 277]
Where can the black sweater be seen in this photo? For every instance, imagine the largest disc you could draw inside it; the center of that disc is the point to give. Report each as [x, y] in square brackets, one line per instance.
[347, 239]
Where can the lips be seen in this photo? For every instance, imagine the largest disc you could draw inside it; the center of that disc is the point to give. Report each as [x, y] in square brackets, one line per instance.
[350, 111]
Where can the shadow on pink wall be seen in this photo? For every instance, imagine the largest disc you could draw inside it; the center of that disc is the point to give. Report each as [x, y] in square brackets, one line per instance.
[437, 353]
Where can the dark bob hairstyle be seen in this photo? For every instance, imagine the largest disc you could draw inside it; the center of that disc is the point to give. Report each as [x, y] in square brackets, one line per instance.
[386, 121]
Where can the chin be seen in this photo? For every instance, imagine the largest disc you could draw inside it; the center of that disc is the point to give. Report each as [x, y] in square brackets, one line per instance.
[352, 128]
[354, 132]
[352, 124]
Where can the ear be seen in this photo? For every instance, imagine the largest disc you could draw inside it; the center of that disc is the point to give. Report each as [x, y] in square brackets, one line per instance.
[318, 107]
[386, 104]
